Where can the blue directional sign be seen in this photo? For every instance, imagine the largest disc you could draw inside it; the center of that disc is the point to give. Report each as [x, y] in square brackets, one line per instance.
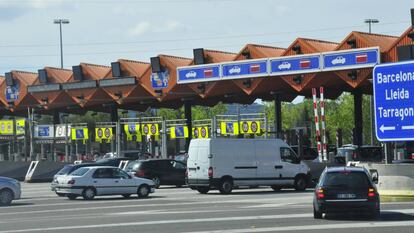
[12, 92]
[351, 59]
[198, 73]
[394, 101]
[43, 131]
[245, 69]
[160, 80]
[295, 64]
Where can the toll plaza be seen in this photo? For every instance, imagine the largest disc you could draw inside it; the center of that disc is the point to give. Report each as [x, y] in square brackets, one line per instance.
[307, 67]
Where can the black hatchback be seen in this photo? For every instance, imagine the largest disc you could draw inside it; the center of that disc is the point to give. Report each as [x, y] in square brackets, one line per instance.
[346, 189]
[161, 171]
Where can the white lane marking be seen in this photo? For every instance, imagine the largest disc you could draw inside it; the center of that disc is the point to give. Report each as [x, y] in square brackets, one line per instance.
[232, 200]
[261, 217]
[141, 204]
[315, 227]
[267, 205]
[121, 214]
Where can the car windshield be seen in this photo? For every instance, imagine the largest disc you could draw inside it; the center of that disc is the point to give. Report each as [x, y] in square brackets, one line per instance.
[132, 166]
[346, 179]
[80, 172]
[65, 170]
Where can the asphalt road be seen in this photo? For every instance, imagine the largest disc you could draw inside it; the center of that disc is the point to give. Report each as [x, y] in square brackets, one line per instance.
[184, 210]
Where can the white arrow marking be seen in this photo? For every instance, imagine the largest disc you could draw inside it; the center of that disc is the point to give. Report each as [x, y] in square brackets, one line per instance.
[383, 128]
[407, 127]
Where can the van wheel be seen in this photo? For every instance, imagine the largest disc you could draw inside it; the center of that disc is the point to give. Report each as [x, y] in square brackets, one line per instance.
[203, 190]
[276, 187]
[300, 183]
[226, 186]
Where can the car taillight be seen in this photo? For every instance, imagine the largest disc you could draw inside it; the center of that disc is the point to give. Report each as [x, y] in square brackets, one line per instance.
[371, 192]
[71, 182]
[319, 193]
[210, 172]
[186, 173]
[140, 173]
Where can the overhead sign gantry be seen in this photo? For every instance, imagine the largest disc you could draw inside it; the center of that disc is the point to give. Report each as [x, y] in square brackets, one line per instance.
[289, 65]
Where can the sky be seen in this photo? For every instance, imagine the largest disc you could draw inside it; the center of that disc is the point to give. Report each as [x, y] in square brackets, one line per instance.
[103, 31]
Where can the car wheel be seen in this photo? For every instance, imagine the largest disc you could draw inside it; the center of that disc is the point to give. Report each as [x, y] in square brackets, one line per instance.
[317, 214]
[276, 187]
[72, 196]
[179, 185]
[300, 183]
[143, 191]
[126, 195]
[88, 193]
[6, 197]
[375, 214]
[60, 194]
[203, 190]
[226, 186]
[156, 181]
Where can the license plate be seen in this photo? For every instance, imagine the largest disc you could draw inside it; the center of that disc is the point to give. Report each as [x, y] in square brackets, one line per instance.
[346, 196]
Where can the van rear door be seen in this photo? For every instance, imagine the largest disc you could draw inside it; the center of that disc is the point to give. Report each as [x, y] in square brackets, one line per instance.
[198, 161]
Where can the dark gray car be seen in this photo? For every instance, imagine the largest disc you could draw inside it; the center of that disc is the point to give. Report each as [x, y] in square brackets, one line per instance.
[9, 190]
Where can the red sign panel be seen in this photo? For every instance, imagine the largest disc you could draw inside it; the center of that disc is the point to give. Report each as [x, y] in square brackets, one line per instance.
[361, 58]
[208, 73]
[254, 68]
[304, 64]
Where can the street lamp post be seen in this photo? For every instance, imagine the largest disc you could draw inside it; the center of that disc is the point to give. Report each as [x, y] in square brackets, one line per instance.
[60, 22]
[369, 22]
[371, 102]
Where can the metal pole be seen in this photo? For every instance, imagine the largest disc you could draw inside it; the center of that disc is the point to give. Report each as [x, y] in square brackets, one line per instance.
[61, 45]
[30, 118]
[66, 140]
[265, 125]
[164, 140]
[118, 138]
[214, 127]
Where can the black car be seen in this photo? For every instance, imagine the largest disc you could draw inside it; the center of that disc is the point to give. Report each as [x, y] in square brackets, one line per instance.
[161, 171]
[112, 161]
[346, 189]
[365, 153]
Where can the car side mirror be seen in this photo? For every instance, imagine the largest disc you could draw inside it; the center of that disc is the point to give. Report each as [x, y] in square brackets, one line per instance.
[374, 175]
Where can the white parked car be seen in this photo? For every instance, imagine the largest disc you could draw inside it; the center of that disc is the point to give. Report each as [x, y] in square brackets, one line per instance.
[191, 74]
[9, 190]
[338, 60]
[284, 66]
[89, 182]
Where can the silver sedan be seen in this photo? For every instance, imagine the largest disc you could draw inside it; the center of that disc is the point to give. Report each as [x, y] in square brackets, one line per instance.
[9, 190]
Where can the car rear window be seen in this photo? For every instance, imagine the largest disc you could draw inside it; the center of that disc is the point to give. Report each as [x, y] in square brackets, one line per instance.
[80, 172]
[65, 170]
[346, 179]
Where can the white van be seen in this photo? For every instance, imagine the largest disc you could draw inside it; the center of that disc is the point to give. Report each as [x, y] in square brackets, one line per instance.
[223, 164]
